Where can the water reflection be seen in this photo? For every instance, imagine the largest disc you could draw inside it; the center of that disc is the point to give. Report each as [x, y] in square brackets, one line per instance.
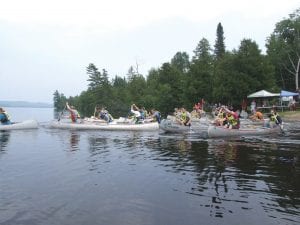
[235, 175]
[74, 141]
[262, 171]
[4, 138]
[226, 178]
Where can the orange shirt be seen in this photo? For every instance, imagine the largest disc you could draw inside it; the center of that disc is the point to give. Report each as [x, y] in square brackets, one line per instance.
[259, 115]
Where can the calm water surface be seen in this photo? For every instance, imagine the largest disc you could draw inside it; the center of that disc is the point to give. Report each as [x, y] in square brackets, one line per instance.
[50, 176]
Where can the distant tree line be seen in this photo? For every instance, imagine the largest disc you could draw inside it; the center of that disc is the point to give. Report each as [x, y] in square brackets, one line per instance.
[214, 74]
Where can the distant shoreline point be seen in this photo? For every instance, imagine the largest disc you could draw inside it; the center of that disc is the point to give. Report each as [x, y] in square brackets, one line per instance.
[25, 104]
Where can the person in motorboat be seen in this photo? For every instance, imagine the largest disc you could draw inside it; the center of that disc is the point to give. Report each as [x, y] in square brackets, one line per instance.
[232, 118]
[73, 112]
[4, 117]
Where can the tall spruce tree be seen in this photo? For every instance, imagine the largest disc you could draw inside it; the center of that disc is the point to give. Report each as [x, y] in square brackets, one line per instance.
[199, 80]
[219, 45]
[96, 79]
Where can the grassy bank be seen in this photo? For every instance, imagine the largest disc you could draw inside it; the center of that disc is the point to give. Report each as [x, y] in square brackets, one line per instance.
[290, 115]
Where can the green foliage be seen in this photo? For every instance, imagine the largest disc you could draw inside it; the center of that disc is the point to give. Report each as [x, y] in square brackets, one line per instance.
[59, 101]
[283, 48]
[181, 62]
[96, 78]
[241, 73]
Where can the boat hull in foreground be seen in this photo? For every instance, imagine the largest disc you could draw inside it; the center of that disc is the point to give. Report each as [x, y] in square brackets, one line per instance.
[109, 126]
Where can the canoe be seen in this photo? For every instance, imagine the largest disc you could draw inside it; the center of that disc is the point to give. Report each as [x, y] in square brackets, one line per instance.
[218, 131]
[198, 128]
[247, 122]
[104, 126]
[26, 124]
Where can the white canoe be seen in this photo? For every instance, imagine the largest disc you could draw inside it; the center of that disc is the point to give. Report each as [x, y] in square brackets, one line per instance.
[27, 124]
[218, 131]
[246, 122]
[104, 126]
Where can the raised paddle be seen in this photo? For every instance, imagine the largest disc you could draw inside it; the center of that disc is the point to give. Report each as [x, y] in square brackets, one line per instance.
[62, 112]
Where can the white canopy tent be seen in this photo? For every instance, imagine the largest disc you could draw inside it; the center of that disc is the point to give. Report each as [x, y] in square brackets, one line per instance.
[263, 94]
[263, 100]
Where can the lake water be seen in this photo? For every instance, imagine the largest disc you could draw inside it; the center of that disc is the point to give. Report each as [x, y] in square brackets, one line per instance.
[62, 177]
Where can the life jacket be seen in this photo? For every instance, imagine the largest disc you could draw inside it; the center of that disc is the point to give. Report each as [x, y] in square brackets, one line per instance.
[183, 116]
[232, 120]
[273, 118]
[221, 115]
[6, 117]
[276, 118]
[74, 115]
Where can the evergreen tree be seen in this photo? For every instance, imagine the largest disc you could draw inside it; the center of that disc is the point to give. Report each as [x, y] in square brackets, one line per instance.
[95, 77]
[59, 101]
[219, 44]
[181, 62]
[203, 50]
[199, 80]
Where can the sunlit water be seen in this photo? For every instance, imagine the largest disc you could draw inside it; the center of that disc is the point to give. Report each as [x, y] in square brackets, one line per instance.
[50, 176]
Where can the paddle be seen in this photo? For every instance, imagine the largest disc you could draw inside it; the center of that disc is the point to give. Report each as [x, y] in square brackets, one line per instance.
[279, 123]
[95, 111]
[62, 112]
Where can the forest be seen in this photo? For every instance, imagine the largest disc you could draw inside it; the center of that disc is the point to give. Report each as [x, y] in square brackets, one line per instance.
[212, 73]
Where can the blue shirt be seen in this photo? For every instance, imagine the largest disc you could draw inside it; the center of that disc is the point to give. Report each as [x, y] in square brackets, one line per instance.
[4, 120]
[156, 114]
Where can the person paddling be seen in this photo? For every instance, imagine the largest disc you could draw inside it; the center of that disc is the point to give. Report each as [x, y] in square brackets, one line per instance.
[233, 121]
[275, 119]
[4, 117]
[74, 113]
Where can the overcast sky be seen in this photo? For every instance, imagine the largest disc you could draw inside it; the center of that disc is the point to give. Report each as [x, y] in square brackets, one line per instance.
[46, 45]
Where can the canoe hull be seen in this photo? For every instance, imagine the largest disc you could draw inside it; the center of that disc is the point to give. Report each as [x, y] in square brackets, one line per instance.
[197, 128]
[111, 126]
[168, 125]
[27, 124]
[214, 131]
